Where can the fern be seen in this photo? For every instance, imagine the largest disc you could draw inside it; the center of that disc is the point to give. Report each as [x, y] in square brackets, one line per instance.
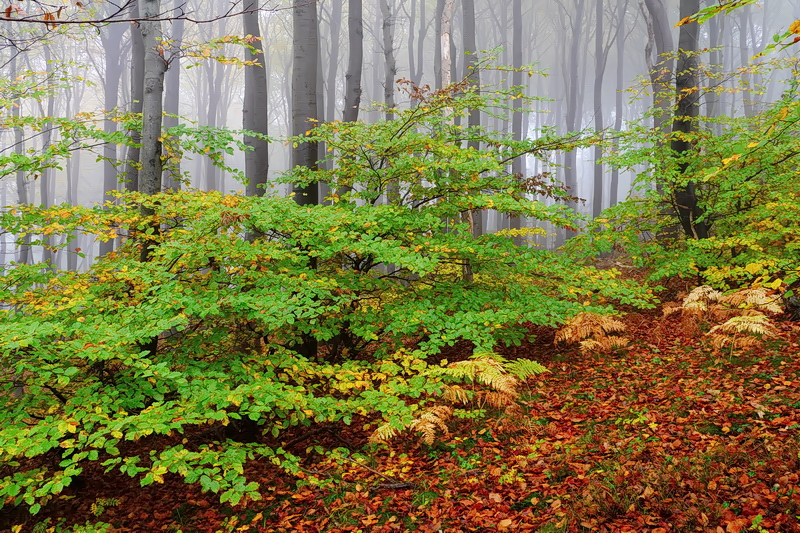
[705, 304]
[593, 332]
[524, 368]
[742, 332]
[495, 382]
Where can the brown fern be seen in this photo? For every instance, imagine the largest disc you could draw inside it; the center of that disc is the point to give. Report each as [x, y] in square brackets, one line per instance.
[747, 331]
[594, 333]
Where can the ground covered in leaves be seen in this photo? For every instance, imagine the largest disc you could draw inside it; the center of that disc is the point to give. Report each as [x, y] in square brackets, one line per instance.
[664, 435]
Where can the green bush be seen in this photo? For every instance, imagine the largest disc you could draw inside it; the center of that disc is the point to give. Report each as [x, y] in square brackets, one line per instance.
[210, 336]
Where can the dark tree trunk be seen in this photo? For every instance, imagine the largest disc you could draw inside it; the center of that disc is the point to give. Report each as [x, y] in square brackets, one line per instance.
[352, 90]
[255, 110]
[686, 113]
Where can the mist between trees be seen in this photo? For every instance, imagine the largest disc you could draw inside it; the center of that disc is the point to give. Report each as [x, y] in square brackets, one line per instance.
[271, 67]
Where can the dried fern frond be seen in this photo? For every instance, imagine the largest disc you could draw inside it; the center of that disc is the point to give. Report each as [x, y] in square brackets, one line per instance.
[433, 419]
[603, 344]
[742, 331]
[456, 394]
[585, 325]
[384, 433]
[593, 332]
[704, 293]
[500, 400]
[758, 298]
[670, 308]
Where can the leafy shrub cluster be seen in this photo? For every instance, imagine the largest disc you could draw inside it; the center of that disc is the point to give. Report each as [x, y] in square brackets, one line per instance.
[265, 316]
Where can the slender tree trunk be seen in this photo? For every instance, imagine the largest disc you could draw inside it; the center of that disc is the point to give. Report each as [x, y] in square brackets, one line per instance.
[438, 50]
[172, 94]
[662, 66]
[389, 60]
[744, 57]
[518, 165]
[304, 113]
[423, 30]
[152, 99]
[255, 112]
[686, 114]
[470, 70]
[573, 89]
[352, 91]
[333, 59]
[137, 96]
[599, 71]
[613, 196]
[25, 256]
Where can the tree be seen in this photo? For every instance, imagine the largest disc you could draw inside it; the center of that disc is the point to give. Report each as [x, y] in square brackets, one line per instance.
[686, 113]
[256, 98]
[355, 34]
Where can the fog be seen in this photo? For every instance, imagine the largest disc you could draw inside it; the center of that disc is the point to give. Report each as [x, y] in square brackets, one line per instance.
[79, 64]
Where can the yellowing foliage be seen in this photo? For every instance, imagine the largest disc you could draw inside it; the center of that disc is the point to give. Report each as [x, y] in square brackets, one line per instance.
[595, 333]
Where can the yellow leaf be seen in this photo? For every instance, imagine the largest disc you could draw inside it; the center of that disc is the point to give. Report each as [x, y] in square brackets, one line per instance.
[794, 27]
[754, 268]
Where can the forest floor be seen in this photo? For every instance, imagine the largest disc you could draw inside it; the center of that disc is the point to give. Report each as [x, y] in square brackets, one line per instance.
[664, 435]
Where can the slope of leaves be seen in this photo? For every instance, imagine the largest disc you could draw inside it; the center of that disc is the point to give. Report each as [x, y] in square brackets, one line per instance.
[663, 436]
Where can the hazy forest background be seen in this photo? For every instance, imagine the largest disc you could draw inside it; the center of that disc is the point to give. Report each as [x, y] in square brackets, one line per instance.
[592, 62]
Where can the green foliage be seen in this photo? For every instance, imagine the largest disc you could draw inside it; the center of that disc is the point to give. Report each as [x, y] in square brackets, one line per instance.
[747, 187]
[377, 284]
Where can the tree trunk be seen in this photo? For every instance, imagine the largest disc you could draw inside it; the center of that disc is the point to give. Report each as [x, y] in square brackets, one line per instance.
[172, 94]
[255, 112]
[474, 75]
[660, 67]
[389, 60]
[111, 39]
[304, 113]
[686, 114]
[333, 59]
[352, 90]
[613, 196]
[152, 99]
[572, 115]
[599, 71]
[518, 165]
[137, 86]
[25, 256]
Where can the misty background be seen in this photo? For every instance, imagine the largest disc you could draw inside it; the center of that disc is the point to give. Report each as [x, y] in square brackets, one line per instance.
[588, 65]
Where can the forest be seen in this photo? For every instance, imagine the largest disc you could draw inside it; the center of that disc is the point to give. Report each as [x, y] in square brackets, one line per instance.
[401, 265]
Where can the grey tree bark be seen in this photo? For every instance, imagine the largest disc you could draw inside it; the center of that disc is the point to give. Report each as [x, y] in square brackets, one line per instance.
[662, 64]
[25, 256]
[470, 70]
[255, 111]
[573, 89]
[389, 60]
[304, 112]
[333, 59]
[137, 97]
[152, 98]
[355, 33]
[599, 72]
[304, 92]
[613, 196]
[172, 93]
[111, 39]
[518, 165]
